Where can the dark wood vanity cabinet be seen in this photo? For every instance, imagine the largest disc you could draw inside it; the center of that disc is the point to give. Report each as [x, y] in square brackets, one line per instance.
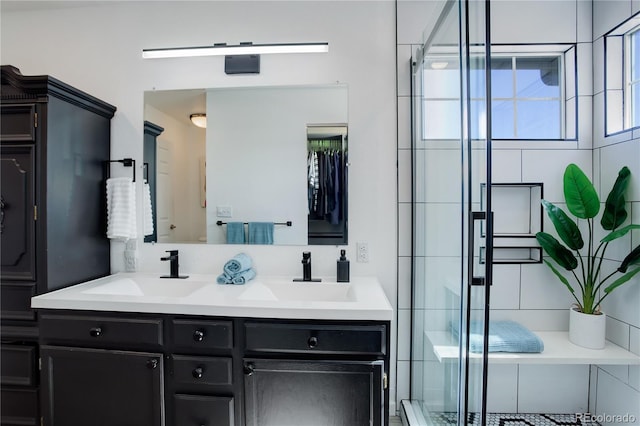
[195, 371]
[53, 139]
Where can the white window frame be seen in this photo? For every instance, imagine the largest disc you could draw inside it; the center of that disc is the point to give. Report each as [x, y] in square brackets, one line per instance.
[524, 51]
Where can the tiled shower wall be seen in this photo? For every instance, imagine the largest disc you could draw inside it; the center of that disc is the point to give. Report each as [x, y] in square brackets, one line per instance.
[616, 390]
[530, 293]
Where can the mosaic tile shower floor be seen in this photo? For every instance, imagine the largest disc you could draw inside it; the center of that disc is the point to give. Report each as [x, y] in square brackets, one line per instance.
[508, 419]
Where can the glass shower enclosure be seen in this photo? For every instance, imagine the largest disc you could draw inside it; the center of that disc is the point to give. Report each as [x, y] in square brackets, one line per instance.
[452, 223]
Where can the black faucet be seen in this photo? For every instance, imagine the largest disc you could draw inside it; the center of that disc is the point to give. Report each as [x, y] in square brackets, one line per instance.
[173, 258]
[306, 268]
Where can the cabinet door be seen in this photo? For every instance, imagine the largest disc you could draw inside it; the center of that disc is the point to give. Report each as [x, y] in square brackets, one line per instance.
[17, 215]
[102, 387]
[313, 393]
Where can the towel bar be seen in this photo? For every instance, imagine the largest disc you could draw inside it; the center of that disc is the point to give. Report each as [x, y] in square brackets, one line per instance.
[126, 162]
[287, 223]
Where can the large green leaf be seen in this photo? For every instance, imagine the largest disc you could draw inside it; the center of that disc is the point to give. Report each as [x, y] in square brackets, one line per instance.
[579, 193]
[560, 276]
[623, 279]
[565, 226]
[615, 212]
[632, 258]
[619, 233]
[557, 251]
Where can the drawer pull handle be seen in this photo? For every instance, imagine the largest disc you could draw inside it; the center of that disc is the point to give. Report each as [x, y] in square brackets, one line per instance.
[152, 364]
[198, 335]
[312, 342]
[198, 372]
[249, 368]
[95, 331]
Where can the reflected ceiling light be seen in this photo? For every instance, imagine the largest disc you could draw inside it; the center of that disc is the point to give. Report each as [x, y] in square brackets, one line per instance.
[439, 65]
[199, 120]
[240, 49]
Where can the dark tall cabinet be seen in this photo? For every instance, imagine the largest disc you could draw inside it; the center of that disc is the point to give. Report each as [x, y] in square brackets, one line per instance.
[53, 142]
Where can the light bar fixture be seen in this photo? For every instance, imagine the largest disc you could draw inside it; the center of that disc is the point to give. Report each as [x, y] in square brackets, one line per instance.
[240, 49]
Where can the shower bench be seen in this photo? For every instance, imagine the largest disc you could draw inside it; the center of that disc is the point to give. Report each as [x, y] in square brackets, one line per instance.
[557, 350]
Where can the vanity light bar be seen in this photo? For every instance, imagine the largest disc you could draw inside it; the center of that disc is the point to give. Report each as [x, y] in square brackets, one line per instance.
[241, 49]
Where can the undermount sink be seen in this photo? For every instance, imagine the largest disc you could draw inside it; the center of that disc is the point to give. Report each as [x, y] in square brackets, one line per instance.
[299, 291]
[146, 287]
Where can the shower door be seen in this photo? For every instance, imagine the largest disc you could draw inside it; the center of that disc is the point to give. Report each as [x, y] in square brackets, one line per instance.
[452, 227]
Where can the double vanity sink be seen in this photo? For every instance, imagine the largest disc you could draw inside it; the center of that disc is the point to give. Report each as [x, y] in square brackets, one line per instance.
[271, 352]
[269, 297]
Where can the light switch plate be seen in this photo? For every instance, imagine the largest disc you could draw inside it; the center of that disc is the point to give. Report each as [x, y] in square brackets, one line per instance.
[224, 211]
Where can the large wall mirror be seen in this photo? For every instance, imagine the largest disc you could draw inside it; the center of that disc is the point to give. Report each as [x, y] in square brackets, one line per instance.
[269, 168]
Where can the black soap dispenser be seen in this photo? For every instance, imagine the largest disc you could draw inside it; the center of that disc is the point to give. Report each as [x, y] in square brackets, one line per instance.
[343, 268]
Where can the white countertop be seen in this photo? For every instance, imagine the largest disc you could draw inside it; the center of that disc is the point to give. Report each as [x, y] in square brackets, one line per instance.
[264, 297]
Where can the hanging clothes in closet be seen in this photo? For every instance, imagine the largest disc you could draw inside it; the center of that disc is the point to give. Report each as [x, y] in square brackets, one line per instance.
[325, 180]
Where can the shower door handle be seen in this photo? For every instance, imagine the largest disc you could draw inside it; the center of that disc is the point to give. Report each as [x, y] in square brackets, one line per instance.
[475, 216]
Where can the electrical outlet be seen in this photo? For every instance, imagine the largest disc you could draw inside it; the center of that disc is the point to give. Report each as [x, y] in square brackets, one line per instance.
[362, 254]
[224, 211]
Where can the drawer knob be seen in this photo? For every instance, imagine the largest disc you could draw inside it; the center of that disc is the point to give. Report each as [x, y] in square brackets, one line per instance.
[249, 368]
[198, 335]
[95, 331]
[152, 364]
[312, 342]
[198, 372]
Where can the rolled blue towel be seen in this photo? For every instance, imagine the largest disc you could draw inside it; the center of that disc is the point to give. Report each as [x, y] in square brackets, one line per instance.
[223, 278]
[238, 263]
[244, 276]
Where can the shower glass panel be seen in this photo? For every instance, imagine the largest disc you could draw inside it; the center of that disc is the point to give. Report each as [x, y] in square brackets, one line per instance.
[451, 162]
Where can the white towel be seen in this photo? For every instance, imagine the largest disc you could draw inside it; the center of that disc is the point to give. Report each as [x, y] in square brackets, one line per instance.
[121, 208]
[147, 209]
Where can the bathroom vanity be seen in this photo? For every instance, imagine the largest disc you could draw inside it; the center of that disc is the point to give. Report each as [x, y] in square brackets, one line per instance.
[135, 349]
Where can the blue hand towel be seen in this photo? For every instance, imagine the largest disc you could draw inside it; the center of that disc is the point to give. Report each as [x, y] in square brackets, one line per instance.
[504, 336]
[235, 233]
[260, 232]
[238, 263]
[223, 278]
[244, 276]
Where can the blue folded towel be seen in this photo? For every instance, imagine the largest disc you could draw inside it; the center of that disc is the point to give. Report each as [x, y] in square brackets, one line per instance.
[235, 233]
[223, 278]
[504, 336]
[238, 263]
[260, 232]
[244, 276]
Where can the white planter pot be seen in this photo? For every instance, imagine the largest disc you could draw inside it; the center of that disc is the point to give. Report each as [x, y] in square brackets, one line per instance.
[587, 330]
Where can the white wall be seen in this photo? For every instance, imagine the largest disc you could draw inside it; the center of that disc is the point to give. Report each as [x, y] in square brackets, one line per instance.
[97, 48]
[531, 294]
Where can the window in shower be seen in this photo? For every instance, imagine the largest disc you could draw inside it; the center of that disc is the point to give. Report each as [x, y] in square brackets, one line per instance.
[532, 97]
[622, 77]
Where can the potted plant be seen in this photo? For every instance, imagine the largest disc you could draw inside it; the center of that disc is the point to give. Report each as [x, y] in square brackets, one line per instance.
[584, 259]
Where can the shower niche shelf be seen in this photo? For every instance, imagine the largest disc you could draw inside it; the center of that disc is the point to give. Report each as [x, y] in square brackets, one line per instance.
[557, 350]
[517, 212]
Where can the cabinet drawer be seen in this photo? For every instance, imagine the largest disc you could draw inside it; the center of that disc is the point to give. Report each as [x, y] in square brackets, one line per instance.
[19, 407]
[195, 410]
[18, 365]
[196, 371]
[194, 334]
[96, 331]
[322, 339]
[15, 302]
